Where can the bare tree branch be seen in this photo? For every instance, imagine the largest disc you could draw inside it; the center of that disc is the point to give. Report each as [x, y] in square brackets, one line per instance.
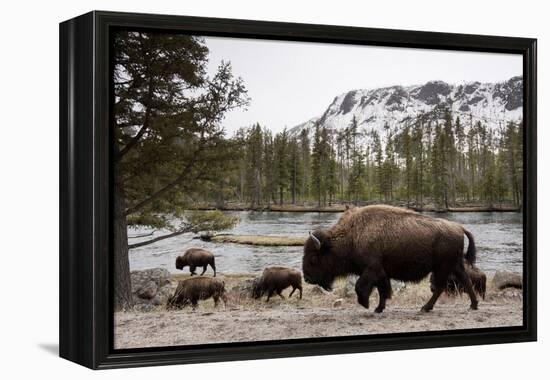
[159, 238]
[142, 235]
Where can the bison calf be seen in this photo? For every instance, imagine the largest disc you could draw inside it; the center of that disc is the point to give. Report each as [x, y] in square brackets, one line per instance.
[454, 286]
[196, 257]
[275, 280]
[192, 290]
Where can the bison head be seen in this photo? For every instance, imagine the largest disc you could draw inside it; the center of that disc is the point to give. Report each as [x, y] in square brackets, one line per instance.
[318, 261]
[180, 262]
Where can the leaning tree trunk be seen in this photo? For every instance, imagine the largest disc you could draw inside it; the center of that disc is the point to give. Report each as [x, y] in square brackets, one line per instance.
[122, 283]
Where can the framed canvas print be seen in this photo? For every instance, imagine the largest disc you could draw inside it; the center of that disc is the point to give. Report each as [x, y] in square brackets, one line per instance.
[235, 189]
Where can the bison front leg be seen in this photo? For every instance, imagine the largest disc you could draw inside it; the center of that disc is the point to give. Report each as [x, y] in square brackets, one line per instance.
[371, 277]
[192, 270]
[384, 292]
[363, 289]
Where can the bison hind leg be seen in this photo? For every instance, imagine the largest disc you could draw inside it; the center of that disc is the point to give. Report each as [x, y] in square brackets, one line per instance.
[292, 292]
[438, 283]
[384, 293]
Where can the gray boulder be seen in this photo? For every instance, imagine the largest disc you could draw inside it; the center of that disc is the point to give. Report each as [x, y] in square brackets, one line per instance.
[147, 291]
[506, 279]
[140, 278]
[244, 288]
[151, 286]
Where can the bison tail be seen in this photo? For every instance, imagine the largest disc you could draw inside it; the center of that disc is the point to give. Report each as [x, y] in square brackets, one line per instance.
[471, 252]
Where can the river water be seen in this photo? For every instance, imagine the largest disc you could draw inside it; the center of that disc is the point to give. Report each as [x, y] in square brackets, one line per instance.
[499, 241]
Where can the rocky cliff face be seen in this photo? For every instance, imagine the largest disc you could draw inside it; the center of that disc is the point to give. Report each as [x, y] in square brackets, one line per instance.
[493, 104]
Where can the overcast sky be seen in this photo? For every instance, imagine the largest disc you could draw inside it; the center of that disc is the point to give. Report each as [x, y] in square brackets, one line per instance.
[291, 82]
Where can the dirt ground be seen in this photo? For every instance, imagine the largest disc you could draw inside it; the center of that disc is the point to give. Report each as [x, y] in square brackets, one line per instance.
[318, 314]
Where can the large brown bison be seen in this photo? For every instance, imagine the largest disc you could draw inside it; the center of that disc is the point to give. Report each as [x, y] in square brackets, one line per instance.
[196, 257]
[275, 280]
[191, 290]
[379, 243]
[454, 287]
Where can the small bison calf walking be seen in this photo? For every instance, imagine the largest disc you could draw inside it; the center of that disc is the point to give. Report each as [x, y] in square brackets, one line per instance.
[275, 280]
[454, 286]
[196, 257]
[192, 290]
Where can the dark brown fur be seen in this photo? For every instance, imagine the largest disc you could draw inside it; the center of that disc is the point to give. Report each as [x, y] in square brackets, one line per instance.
[192, 290]
[196, 257]
[455, 287]
[378, 243]
[275, 280]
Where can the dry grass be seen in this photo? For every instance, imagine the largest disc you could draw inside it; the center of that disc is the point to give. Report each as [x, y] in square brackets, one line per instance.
[412, 295]
[317, 314]
[271, 241]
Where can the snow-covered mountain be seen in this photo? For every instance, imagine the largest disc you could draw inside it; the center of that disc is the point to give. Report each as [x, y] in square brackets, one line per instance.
[491, 103]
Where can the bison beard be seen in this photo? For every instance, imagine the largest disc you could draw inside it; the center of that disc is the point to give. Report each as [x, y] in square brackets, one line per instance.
[378, 243]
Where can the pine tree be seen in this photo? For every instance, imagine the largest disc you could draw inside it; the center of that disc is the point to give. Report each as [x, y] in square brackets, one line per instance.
[281, 161]
[268, 168]
[439, 185]
[168, 142]
[408, 154]
[316, 168]
[254, 150]
[306, 164]
[378, 162]
[295, 169]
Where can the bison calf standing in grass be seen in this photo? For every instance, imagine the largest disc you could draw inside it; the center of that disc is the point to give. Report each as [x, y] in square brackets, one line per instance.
[196, 257]
[192, 290]
[378, 243]
[454, 286]
[275, 280]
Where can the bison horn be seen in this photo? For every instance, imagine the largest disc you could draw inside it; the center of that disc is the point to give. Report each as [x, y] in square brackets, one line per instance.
[315, 240]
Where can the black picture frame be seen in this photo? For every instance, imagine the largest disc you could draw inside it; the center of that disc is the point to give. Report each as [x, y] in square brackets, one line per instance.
[86, 315]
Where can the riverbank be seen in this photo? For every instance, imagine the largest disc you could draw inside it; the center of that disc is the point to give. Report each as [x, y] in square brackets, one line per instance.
[343, 207]
[317, 314]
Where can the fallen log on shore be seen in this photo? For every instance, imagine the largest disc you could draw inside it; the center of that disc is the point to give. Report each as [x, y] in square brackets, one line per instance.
[268, 241]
